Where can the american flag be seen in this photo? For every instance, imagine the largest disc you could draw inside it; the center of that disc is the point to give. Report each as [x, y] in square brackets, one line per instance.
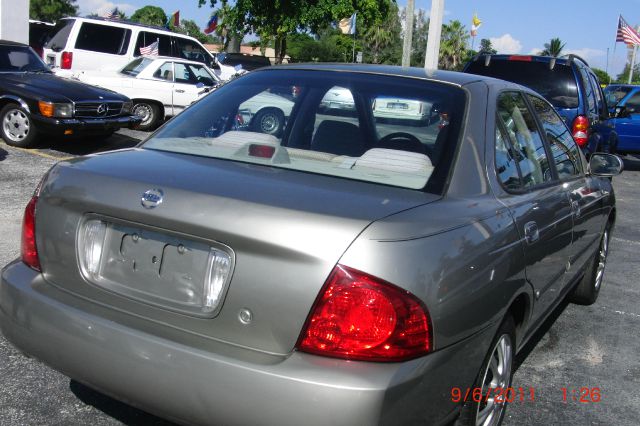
[151, 49]
[112, 15]
[627, 34]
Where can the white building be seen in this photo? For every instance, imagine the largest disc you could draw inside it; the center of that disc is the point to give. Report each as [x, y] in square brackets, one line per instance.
[14, 20]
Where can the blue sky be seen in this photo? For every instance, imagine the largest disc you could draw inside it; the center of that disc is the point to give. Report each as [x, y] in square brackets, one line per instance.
[588, 27]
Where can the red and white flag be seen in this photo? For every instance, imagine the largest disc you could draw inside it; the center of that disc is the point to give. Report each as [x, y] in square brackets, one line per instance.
[626, 33]
[151, 49]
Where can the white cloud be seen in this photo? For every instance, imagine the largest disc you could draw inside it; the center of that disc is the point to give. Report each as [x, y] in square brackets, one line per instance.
[506, 44]
[101, 7]
[588, 54]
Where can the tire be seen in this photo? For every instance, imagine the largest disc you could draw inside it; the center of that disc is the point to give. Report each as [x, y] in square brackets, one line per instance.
[588, 289]
[16, 126]
[149, 112]
[496, 372]
[269, 121]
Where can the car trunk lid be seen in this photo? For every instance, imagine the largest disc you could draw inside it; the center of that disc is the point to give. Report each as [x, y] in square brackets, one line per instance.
[283, 232]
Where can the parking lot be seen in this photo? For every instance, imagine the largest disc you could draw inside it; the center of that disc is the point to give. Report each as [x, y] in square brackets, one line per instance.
[578, 348]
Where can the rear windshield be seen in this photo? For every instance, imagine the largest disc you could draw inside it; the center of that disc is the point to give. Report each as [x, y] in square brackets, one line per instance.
[382, 129]
[59, 35]
[557, 85]
[136, 66]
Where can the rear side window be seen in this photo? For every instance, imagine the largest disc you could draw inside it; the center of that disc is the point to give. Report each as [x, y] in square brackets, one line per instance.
[103, 38]
[189, 49]
[523, 134]
[614, 94]
[59, 35]
[565, 152]
[557, 85]
[589, 94]
[135, 67]
[633, 103]
[506, 162]
[146, 38]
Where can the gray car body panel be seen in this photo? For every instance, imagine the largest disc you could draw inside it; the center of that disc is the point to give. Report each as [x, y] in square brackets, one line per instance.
[462, 254]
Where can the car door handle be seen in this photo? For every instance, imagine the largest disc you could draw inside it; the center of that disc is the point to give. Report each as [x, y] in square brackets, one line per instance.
[575, 206]
[531, 233]
[179, 91]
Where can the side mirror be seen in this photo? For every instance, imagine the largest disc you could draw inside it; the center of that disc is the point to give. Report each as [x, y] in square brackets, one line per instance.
[622, 112]
[601, 164]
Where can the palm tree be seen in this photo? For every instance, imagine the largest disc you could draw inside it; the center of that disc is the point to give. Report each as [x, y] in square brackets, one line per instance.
[553, 48]
[377, 38]
[453, 45]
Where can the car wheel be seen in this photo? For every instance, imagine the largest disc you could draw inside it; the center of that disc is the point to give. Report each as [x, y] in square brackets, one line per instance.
[17, 127]
[269, 121]
[587, 290]
[149, 112]
[487, 400]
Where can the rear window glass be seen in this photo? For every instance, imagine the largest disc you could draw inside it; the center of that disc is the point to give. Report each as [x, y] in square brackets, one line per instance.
[189, 49]
[135, 67]
[103, 38]
[387, 130]
[147, 38]
[59, 35]
[557, 85]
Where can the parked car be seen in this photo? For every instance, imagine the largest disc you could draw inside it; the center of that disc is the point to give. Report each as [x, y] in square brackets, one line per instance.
[339, 99]
[233, 64]
[342, 272]
[624, 125]
[34, 101]
[86, 44]
[567, 82]
[158, 86]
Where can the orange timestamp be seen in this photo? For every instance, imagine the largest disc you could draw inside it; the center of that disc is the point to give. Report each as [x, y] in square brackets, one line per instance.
[497, 395]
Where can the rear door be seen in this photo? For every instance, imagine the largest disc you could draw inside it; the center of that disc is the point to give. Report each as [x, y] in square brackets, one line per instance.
[539, 204]
[582, 191]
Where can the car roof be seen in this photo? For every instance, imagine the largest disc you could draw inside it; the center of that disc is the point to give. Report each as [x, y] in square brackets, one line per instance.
[453, 77]
[125, 23]
[561, 60]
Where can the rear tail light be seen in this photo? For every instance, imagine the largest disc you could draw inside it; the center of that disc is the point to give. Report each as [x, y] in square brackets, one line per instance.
[28, 248]
[580, 130]
[262, 151]
[520, 58]
[90, 245]
[361, 317]
[67, 60]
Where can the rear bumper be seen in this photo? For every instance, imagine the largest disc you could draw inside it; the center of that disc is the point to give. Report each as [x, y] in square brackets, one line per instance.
[195, 386]
[83, 126]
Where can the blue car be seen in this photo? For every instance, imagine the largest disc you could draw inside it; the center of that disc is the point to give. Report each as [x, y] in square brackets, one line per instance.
[623, 101]
[568, 83]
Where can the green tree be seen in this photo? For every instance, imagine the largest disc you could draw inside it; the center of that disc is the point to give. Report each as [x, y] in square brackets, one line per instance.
[602, 75]
[51, 10]
[150, 15]
[553, 48]
[453, 45]
[623, 77]
[276, 20]
[380, 39]
[486, 48]
[420, 35]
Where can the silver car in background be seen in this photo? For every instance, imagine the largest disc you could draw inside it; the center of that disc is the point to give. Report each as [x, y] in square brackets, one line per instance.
[341, 271]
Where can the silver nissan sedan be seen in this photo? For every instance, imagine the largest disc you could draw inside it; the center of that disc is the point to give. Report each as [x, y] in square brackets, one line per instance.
[350, 268]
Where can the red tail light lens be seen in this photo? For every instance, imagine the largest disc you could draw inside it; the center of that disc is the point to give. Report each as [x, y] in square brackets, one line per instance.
[262, 151]
[28, 247]
[580, 130]
[520, 58]
[361, 317]
[67, 60]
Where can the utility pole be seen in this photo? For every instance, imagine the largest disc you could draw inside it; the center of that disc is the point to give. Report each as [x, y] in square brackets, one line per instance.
[408, 34]
[435, 30]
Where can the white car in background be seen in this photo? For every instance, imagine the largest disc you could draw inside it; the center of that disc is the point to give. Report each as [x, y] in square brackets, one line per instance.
[340, 99]
[159, 86]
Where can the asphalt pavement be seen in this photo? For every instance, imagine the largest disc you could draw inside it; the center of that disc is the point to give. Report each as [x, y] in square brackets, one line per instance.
[588, 353]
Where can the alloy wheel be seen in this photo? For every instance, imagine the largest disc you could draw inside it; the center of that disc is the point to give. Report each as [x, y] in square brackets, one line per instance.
[16, 125]
[269, 123]
[143, 111]
[602, 259]
[495, 381]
